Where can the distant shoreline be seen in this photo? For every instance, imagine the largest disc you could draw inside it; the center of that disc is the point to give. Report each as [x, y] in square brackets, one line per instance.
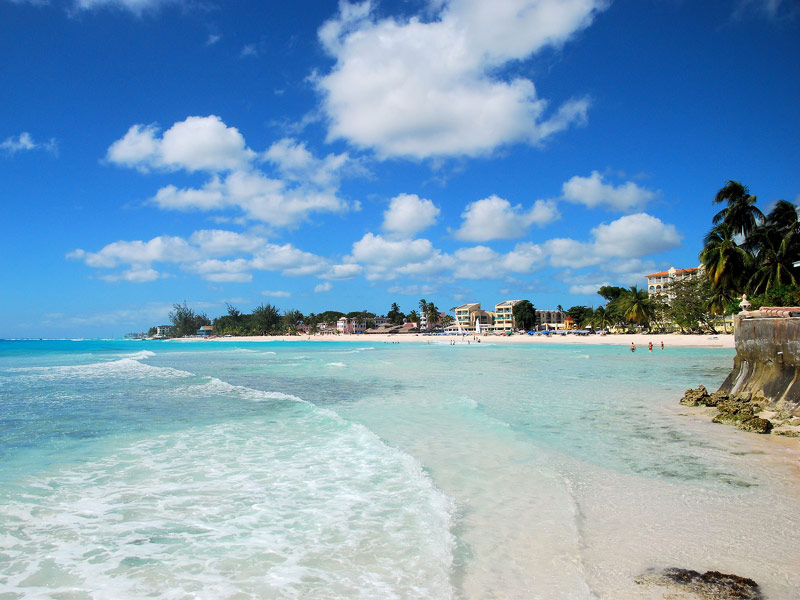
[641, 341]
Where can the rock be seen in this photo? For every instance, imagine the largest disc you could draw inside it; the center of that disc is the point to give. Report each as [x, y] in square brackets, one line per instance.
[711, 585]
[694, 397]
[756, 425]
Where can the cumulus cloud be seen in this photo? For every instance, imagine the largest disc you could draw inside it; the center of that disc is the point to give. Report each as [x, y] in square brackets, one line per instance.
[194, 144]
[383, 258]
[214, 255]
[323, 287]
[631, 236]
[305, 184]
[593, 192]
[24, 142]
[494, 218]
[409, 214]
[385, 91]
[482, 262]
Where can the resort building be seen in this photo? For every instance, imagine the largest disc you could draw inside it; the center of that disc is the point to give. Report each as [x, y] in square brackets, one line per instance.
[471, 319]
[504, 315]
[550, 319]
[658, 284]
[345, 325]
[163, 331]
[205, 331]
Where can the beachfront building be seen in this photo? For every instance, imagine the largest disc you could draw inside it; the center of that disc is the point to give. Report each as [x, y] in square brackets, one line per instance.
[658, 284]
[345, 325]
[205, 331]
[504, 315]
[550, 319]
[471, 319]
[163, 331]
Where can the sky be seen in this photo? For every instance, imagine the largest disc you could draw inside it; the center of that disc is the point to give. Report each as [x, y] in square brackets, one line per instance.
[320, 155]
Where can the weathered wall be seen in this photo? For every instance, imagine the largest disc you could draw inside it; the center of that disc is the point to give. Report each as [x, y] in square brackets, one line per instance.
[767, 361]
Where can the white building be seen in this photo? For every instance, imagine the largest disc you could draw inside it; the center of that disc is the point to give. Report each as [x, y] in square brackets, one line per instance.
[658, 284]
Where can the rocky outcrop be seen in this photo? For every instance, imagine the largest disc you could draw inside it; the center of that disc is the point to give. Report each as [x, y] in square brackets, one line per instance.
[739, 410]
[767, 362]
[711, 585]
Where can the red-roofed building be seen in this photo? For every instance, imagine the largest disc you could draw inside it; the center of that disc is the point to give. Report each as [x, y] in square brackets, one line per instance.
[658, 283]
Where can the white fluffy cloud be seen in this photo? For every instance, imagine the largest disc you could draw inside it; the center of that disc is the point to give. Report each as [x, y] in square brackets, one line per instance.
[494, 218]
[593, 192]
[631, 236]
[194, 144]
[435, 88]
[383, 258]
[24, 142]
[214, 255]
[305, 183]
[409, 214]
[482, 262]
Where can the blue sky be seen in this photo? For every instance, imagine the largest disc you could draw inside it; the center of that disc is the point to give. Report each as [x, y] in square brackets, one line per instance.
[343, 156]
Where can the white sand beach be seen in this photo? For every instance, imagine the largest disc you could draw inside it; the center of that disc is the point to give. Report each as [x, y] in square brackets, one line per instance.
[641, 341]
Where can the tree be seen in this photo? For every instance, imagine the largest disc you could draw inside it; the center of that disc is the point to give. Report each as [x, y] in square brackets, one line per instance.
[726, 264]
[266, 319]
[740, 214]
[185, 321]
[291, 320]
[524, 315]
[413, 317]
[689, 304]
[394, 315]
[423, 307]
[601, 319]
[432, 315]
[775, 245]
[581, 315]
[636, 305]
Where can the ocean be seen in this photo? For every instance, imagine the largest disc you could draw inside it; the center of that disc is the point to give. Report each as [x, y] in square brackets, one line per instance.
[183, 470]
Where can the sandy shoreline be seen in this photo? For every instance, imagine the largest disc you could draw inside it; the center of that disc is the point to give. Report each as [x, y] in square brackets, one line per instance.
[640, 340]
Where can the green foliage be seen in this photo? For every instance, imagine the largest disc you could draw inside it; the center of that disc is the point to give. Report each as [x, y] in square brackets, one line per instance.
[329, 316]
[689, 306]
[291, 320]
[747, 251]
[636, 306]
[611, 292]
[185, 321]
[524, 315]
[779, 295]
[266, 320]
[395, 316]
[581, 315]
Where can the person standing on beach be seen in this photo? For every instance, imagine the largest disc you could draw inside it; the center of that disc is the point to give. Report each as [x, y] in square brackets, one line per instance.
[650, 347]
[633, 347]
[662, 344]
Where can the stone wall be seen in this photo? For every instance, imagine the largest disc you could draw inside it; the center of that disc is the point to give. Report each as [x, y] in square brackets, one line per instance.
[767, 361]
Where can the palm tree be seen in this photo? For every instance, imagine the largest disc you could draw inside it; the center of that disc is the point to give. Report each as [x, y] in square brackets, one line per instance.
[413, 317]
[774, 266]
[741, 213]
[637, 306]
[726, 263]
[431, 314]
[601, 319]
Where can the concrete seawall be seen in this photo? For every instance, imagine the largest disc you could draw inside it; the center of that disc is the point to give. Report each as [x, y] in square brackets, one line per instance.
[767, 361]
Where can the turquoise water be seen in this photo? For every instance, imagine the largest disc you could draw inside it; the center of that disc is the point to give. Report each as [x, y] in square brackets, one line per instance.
[342, 470]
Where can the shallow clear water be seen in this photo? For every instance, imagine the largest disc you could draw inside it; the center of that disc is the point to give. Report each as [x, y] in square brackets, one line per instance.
[340, 470]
